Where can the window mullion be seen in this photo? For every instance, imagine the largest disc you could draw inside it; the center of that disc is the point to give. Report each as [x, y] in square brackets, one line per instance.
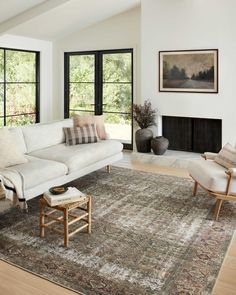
[37, 87]
[4, 87]
[66, 85]
[98, 83]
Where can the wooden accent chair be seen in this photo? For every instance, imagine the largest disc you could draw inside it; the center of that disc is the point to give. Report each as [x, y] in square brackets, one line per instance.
[219, 182]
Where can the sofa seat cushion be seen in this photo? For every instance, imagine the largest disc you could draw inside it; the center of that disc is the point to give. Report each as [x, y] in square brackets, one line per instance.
[211, 176]
[82, 155]
[37, 171]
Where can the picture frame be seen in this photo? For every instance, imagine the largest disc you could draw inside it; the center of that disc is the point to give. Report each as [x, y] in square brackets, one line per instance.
[191, 71]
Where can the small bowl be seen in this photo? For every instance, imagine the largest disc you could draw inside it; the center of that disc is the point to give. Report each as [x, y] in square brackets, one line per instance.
[58, 190]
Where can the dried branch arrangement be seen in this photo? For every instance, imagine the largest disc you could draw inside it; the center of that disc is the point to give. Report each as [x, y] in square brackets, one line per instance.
[144, 115]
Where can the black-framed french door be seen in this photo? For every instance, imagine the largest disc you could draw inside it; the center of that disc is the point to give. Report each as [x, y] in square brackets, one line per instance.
[101, 83]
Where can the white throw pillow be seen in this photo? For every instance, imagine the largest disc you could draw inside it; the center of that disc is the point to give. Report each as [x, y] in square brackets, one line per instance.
[227, 156]
[10, 155]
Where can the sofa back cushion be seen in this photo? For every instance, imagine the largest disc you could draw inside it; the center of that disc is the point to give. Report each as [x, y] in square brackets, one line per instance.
[39, 136]
[18, 137]
[10, 154]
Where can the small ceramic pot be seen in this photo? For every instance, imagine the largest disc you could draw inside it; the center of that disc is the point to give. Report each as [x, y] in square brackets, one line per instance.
[159, 145]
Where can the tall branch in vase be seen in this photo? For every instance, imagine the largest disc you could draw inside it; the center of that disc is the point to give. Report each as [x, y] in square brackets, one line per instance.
[145, 116]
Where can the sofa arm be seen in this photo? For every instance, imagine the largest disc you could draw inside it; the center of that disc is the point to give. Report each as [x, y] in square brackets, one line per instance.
[209, 156]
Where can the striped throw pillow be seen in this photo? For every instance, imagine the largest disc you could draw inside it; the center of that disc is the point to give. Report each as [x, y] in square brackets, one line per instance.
[227, 156]
[78, 135]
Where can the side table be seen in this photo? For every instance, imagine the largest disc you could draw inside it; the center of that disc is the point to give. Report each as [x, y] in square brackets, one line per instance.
[67, 218]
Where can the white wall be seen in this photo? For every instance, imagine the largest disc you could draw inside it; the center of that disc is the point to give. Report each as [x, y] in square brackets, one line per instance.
[121, 31]
[45, 48]
[191, 24]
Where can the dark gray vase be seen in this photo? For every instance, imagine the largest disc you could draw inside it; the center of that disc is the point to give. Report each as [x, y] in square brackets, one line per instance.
[159, 145]
[143, 140]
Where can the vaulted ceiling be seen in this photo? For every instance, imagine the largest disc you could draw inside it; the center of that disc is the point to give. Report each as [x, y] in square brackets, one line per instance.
[54, 19]
[11, 8]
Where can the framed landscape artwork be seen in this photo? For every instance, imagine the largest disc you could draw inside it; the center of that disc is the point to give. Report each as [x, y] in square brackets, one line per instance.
[188, 71]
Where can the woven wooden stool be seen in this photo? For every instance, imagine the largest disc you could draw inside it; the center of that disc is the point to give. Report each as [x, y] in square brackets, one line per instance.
[67, 219]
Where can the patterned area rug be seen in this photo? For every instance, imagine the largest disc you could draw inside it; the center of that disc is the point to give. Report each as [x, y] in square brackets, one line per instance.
[149, 236]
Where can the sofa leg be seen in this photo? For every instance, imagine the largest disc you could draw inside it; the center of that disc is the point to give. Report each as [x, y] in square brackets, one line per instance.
[217, 208]
[195, 188]
[108, 168]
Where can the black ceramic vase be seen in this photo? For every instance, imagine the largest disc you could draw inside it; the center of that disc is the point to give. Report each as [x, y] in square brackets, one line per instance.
[159, 145]
[143, 140]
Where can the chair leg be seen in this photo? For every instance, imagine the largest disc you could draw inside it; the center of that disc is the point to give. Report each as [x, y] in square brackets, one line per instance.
[217, 208]
[195, 188]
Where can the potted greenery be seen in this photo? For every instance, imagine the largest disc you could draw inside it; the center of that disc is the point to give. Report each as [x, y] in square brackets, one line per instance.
[145, 116]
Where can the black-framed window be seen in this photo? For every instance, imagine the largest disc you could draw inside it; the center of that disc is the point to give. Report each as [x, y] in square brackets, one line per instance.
[101, 82]
[19, 87]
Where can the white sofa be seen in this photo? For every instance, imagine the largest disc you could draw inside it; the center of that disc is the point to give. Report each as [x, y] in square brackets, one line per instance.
[51, 162]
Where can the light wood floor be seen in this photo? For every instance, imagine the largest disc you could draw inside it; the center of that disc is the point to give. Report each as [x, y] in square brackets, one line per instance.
[17, 281]
[226, 281]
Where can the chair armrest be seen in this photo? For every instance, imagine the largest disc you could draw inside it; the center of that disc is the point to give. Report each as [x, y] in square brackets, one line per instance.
[209, 156]
[231, 171]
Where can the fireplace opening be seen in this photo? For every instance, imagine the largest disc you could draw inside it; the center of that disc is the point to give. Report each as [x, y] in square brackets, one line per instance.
[197, 135]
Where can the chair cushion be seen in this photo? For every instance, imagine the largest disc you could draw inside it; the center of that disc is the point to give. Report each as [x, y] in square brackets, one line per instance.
[82, 155]
[37, 171]
[211, 176]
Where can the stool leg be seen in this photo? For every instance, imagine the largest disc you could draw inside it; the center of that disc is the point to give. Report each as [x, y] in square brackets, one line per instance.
[66, 228]
[42, 229]
[89, 210]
